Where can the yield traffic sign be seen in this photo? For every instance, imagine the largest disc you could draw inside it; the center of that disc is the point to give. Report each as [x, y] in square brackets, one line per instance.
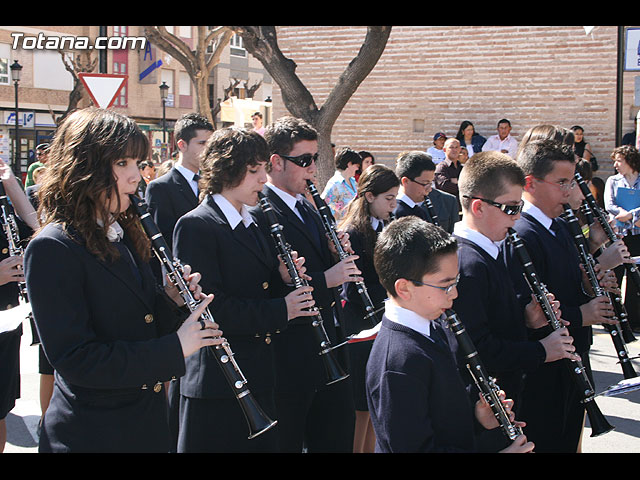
[103, 88]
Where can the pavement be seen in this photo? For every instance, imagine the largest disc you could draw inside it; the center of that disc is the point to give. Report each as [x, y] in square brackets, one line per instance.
[621, 411]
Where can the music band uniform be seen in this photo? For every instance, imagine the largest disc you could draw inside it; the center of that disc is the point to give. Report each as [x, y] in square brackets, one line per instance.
[446, 208]
[413, 388]
[492, 315]
[248, 305]
[108, 332]
[555, 429]
[309, 411]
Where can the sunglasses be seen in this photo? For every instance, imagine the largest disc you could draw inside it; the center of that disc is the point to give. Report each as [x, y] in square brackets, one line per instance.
[303, 160]
[508, 209]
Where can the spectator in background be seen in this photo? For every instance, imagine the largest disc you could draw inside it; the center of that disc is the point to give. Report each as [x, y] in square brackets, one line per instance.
[469, 139]
[436, 151]
[342, 187]
[256, 118]
[582, 148]
[42, 151]
[448, 170]
[148, 173]
[503, 142]
[626, 160]
[367, 161]
[629, 138]
[464, 155]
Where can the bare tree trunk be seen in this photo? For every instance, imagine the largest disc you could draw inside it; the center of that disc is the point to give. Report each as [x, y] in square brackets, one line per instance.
[198, 63]
[262, 43]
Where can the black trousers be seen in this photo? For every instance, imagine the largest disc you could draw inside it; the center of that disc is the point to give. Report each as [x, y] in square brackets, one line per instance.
[321, 420]
[631, 298]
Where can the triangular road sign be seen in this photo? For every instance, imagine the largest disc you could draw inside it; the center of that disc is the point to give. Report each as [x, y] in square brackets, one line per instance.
[103, 88]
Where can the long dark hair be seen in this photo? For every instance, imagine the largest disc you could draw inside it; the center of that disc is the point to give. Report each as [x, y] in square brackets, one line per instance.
[376, 179]
[80, 178]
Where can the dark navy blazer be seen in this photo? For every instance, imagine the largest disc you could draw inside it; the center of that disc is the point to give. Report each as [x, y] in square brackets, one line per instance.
[111, 341]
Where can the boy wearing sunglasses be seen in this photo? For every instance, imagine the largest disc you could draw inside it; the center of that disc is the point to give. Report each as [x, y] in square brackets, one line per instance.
[550, 401]
[417, 399]
[491, 187]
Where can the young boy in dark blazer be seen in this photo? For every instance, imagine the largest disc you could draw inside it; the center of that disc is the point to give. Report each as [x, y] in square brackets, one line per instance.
[417, 399]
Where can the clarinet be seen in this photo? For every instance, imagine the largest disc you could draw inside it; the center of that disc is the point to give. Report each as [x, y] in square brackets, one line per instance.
[632, 270]
[12, 234]
[618, 304]
[431, 209]
[256, 418]
[486, 384]
[589, 263]
[599, 424]
[333, 370]
[329, 223]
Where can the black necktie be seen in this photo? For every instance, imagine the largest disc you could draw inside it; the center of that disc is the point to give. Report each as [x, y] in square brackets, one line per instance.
[437, 334]
[196, 178]
[252, 232]
[309, 222]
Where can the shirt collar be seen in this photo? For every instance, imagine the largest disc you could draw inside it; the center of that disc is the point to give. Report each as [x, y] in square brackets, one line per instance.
[186, 173]
[530, 209]
[407, 318]
[232, 215]
[375, 222]
[287, 198]
[484, 242]
[114, 232]
[403, 196]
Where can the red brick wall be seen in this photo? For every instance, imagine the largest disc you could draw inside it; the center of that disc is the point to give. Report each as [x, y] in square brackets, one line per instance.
[443, 75]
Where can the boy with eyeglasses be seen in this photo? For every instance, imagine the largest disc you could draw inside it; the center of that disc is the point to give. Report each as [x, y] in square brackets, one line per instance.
[491, 186]
[550, 402]
[417, 399]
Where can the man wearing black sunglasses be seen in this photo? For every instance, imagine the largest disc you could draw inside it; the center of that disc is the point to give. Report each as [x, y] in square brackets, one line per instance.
[308, 411]
[491, 186]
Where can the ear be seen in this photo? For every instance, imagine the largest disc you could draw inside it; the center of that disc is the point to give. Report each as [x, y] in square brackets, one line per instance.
[369, 197]
[530, 184]
[403, 289]
[404, 181]
[276, 162]
[477, 207]
[181, 144]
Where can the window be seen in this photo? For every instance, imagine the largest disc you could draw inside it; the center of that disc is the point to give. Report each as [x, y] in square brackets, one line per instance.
[5, 75]
[120, 31]
[237, 47]
[120, 68]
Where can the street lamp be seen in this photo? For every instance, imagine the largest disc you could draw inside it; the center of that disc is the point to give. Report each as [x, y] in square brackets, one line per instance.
[16, 70]
[164, 91]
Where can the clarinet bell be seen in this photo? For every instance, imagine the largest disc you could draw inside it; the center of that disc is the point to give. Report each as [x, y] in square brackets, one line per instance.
[598, 422]
[257, 420]
[333, 371]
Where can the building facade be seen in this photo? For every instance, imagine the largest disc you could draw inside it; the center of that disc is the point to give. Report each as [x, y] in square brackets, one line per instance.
[431, 78]
[45, 83]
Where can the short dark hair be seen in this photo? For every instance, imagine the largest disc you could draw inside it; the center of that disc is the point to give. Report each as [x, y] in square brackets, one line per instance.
[630, 155]
[504, 120]
[346, 155]
[412, 164]
[488, 175]
[256, 114]
[410, 248]
[537, 157]
[187, 126]
[226, 156]
[282, 135]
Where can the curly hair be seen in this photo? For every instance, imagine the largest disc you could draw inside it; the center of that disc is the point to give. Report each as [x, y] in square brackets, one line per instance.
[630, 155]
[80, 180]
[226, 156]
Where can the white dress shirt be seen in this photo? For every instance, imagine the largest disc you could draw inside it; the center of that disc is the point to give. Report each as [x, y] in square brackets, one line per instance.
[484, 242]
[188, 175]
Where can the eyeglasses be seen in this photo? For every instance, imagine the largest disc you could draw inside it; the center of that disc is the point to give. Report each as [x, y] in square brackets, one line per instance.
[446, 289]
[425, 185]
[508, 209]
[303, 160]
[564, 186]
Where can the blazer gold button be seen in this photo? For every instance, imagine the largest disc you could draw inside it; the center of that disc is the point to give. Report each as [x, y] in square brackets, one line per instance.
[157, 387]
[5, 250]
[265, 285]
[148, 318]
[267, 340]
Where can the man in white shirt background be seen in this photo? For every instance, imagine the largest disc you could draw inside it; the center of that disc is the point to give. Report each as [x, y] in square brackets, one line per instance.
[503, 141]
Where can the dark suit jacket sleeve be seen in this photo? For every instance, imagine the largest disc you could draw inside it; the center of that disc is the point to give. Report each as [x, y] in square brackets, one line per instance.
[196, 244]
[62, 306]
[157, 197]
